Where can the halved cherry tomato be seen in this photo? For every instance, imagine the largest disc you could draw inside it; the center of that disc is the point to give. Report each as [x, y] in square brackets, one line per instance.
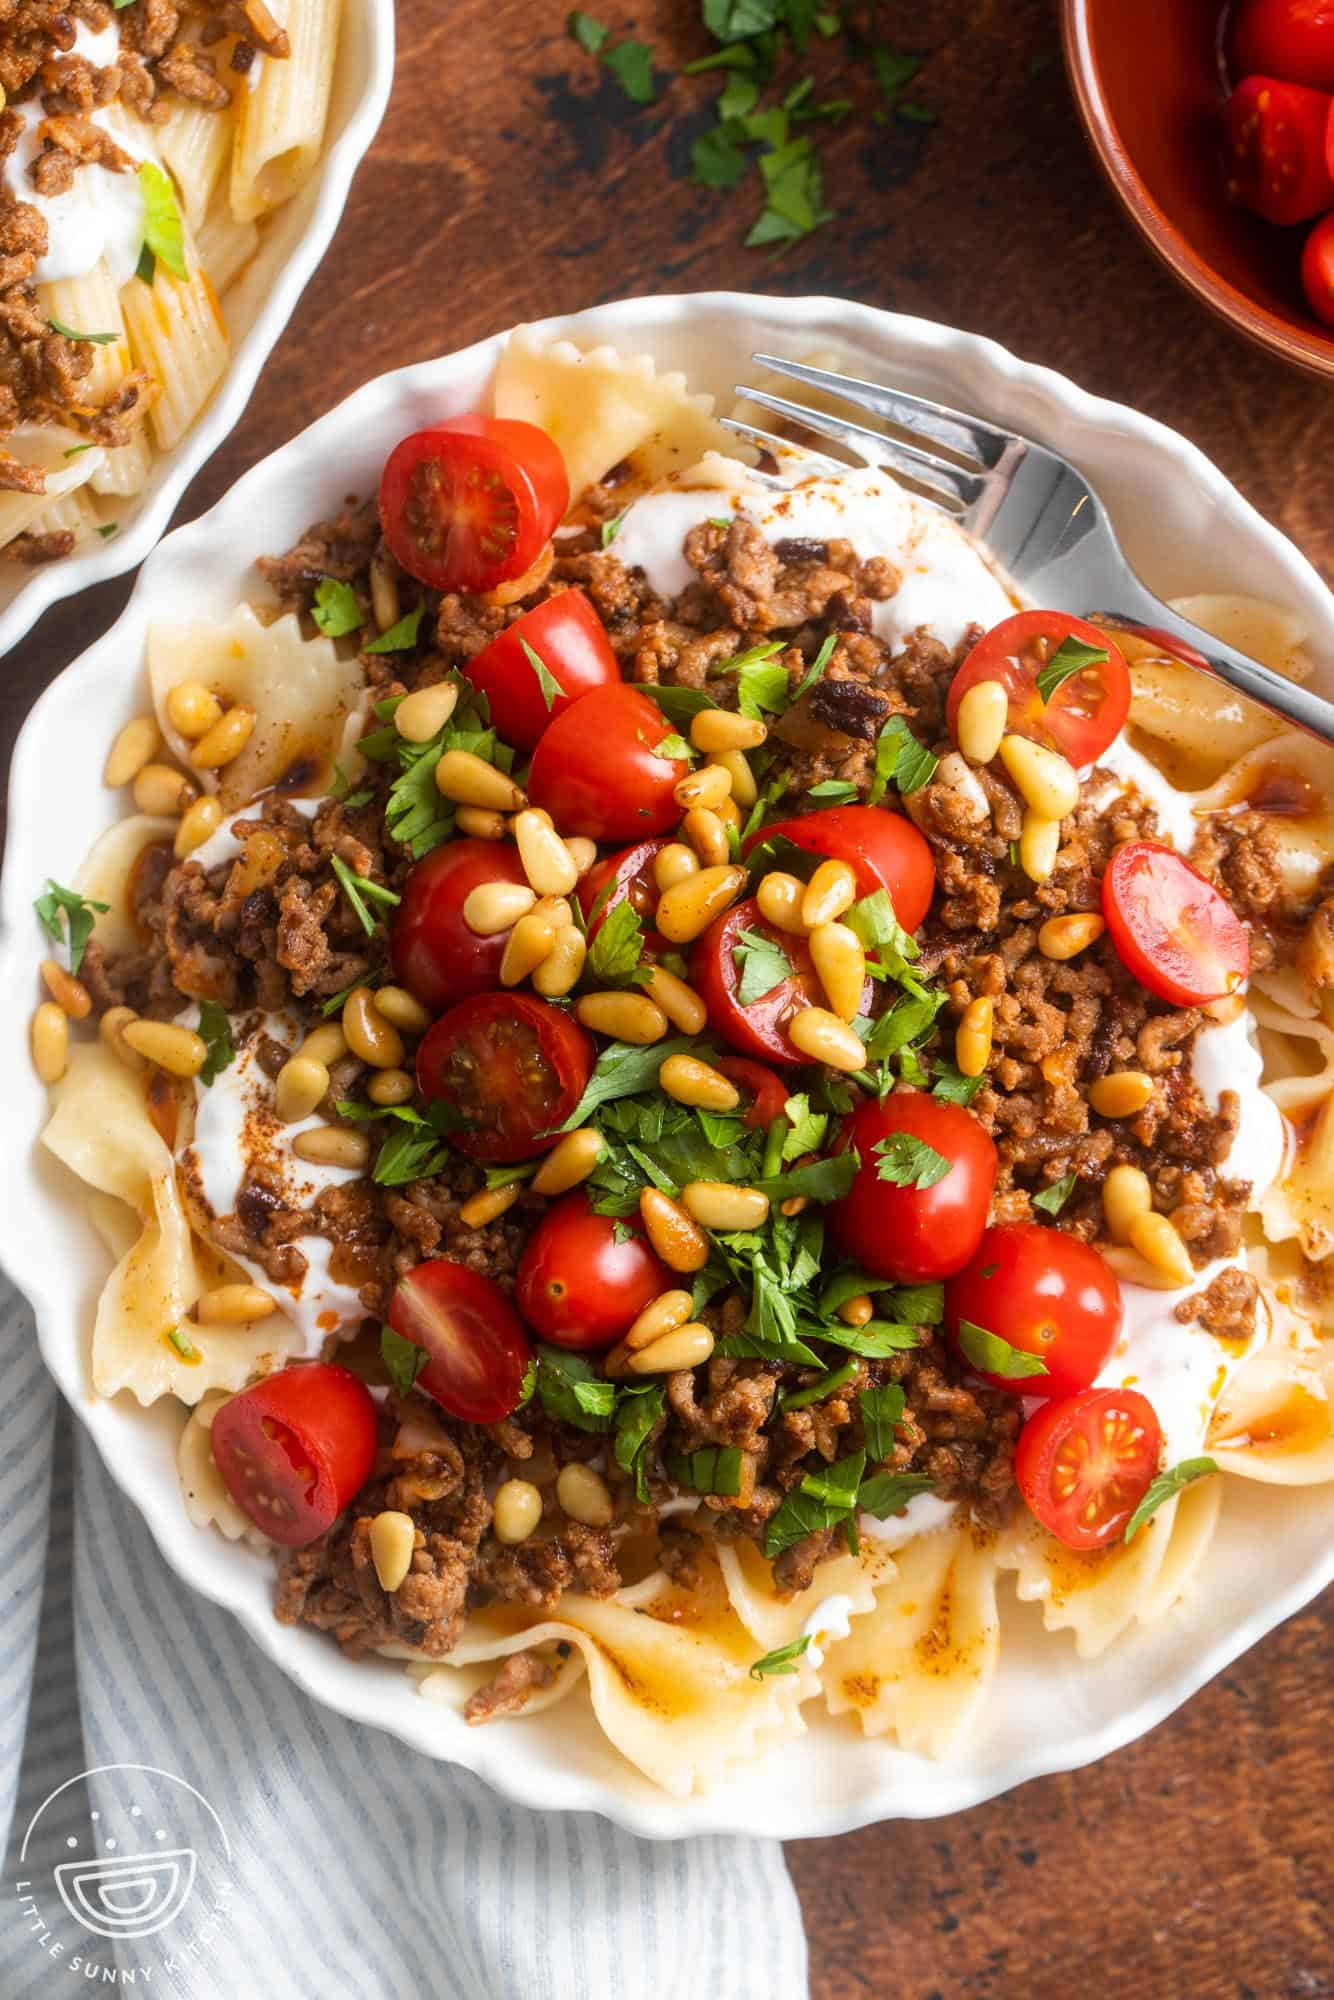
[295, 1447]
[1085, 1463]
[758, 1029]
[584, 1277]
[569, 639]
[767, 1095]
[1276, 139]
[1288, 38]
[597, 771]
[1173, 931]
[623, 877]
[883, 849]
[512, 1066]
[435, 954]
[1318, 269]
[479, 1351]
[1080, 717]
[902, 1231]
[1045, 1293]
[472, 502]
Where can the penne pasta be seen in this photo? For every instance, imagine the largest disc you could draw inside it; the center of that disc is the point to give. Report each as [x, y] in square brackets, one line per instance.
[178, 334]
[281, 116]
[226, 246]
[195, 145]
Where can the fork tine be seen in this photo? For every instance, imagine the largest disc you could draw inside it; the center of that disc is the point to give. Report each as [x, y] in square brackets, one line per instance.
[949, 483]
[770, 441]
[963, 435]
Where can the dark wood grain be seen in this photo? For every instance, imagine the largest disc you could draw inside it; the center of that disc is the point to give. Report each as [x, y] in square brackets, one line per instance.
[511, 180]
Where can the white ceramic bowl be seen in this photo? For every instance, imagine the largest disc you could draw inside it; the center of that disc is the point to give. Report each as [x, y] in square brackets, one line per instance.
[258, 309]
[1189, 531]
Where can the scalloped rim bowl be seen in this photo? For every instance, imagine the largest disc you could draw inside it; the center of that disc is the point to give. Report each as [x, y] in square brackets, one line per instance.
[1189, 530]
[258, 310]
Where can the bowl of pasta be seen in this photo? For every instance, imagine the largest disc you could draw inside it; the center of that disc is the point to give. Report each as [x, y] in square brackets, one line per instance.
[616, 1144]
[167, 193]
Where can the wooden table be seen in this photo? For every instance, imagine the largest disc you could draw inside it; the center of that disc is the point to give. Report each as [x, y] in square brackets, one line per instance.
[509, 181]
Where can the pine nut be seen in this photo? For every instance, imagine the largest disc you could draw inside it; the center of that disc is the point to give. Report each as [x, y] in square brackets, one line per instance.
[584, 1495]
[161, 791]
[226, 739]
[402, 1009]
[1158, 1244]
[687, 1347]
[70, 994]
[109, 1029]
[235, 1305]
[1044, 779]
[326, 1044]
[199, 822]
[302, 1084]
[679, 1002]
[856, 1311]
[331, 1146]
[979, 724]
[972, 1037]
[571, 1160]
[719, 1205]
[136, 745]
[745, 791]
[556, 910]
[480, 824]
[582, 851]
[471, 781]
[729, 812]
[487, 1205]
[720, 729]
[671, 864]
[831, 890]
[369, 1036]
[49, 1037]
[680, 1243]
[661, 1315]
[1121, 1094]
[840, 961]
[493, 907]
[697, 1083]
[689, 907]
[386, 606]
[1039, 845]
[391, 1086]
[192, 709]
[825, 1039]
[424, 713]
[547, 861]
[780, 898]
[180, 1051]
[1065, 937]
[529, 943]
[796, 1204]
[516, 1510]
[1125, 1194]
[626, 1017]
[261, 860]
[707, 788]
[560, 971]
[393, 1538]
[707, 835]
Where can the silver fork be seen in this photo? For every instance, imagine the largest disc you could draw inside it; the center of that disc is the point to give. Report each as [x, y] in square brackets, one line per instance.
[1036, 514]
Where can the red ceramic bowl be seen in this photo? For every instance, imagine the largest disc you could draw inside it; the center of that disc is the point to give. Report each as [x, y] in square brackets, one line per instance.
[1148, 80]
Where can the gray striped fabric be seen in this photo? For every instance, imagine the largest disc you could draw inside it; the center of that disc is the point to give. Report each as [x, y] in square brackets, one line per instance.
[357, 1867]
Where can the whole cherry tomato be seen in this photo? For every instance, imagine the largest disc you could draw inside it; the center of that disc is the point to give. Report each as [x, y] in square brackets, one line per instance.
[1084, 1464]
[718, 962]
[295, 1447]
[511, 1067]
[597, 770]
[478, 1350]
[1080, 714]
[569, 640]
[1045, 1294]
[918, 1206]
[584, 1277]
[1173, 931]
[883, 849]
[767, 1095]
[435, 954]
[472, 502]
[1293, 39]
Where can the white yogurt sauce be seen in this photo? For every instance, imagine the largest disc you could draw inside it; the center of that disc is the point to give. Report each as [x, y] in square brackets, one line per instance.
[1177, 820]
[1227, 1058]
[830, 1620]
[923, 1512]
[223, 845]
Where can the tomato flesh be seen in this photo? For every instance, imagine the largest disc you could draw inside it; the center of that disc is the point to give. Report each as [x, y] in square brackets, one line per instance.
[470, 503]
[294, 1448]
[1173, 931]
[1293, 39]
[1045, 1293]
[1084, 1464]
[1318, 270]
[478, 1349]
[912, 1234]
[436, 956]
[1277, 139]
[883, 849]
[580, 1287]
[1082, 716]
[597, 771]
[760, 1027]
[766, 1093]
[511, 1067]
[569, 639]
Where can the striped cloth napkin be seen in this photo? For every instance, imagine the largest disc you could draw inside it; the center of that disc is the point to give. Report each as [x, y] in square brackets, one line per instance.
[354, 1867]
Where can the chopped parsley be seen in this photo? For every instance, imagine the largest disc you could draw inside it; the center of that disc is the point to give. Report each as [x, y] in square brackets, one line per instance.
[612, 528]
[590, 35]
[882, 1411]
[616, 946]
[906, 1161]
[761, 682]
[623, 1069]
[638, 1409]
[336, 609]
[546, 680]
[215, 1031]
[1165, 1487]
[69, 333]
[1070, 658]
[900, 760]
[991, 1355]
[631, 63]
[818, 1392]
[673, 746]
[762, 965]
[824, 1499]
[403, 1359]
[782, 1660]
[952, 1086]
[815, 672]
[359, 890]
[69, 917]
[400, 637]
[572, 1392]
[1053, 1199]
[832, 792]
[183, 1344]
[886, 1493]
[716, 1469]
[164, 232]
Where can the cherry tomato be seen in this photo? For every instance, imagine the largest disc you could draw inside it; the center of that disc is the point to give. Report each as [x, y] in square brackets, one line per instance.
[1085, 1463]
[578, 1286]
[513, 1066]
[1276, 135]
[902, 1231]
[1293, 39]
[759, 1028]
[435, 954]
[620, 878]
[883, 849]
[569, 639]
[294, 1448]
[479, 1351]
[1318, 270]
[472, 502]
[767, 1095]
[1044, 1293]
[596, 770]
[1173, 930]
[1082, 716]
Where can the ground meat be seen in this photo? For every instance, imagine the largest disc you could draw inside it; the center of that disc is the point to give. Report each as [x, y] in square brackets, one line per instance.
[522, 1675]
[1226, 1307]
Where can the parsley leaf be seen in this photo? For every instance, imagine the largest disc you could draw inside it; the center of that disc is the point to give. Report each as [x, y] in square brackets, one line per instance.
[882, 1410]
[571, 1392]
[886, 1493]
[814, 672]
[1070, 658]
[589, 33]
[215, 1032]
[716, 160]
[183, 1344]
[400, 638]
[952, 1086]
[357, 889]
[876, 925]
[631, 63]
[819, 1392]
[738, 20]
[1053, 1199]
[818, 1180]
[403, 1359]
[546, 680]
[822, 1500]
[808, 1128]
[716, 1469]
[1165, 1487]
[923, 1305]
[623, 1069]
[679, 704]
[68, 333]
[617, 945]
[673, 746]
[412, 1152]
[991, 1355]
[762, 964]
[637, 1411]
[164, 232]
[832, 792]
[782, 1660]
[336, 610]
[900, 760]
[58, 907]
[611, 529]
[760, 684]
[906, 1161]
[794, 191]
